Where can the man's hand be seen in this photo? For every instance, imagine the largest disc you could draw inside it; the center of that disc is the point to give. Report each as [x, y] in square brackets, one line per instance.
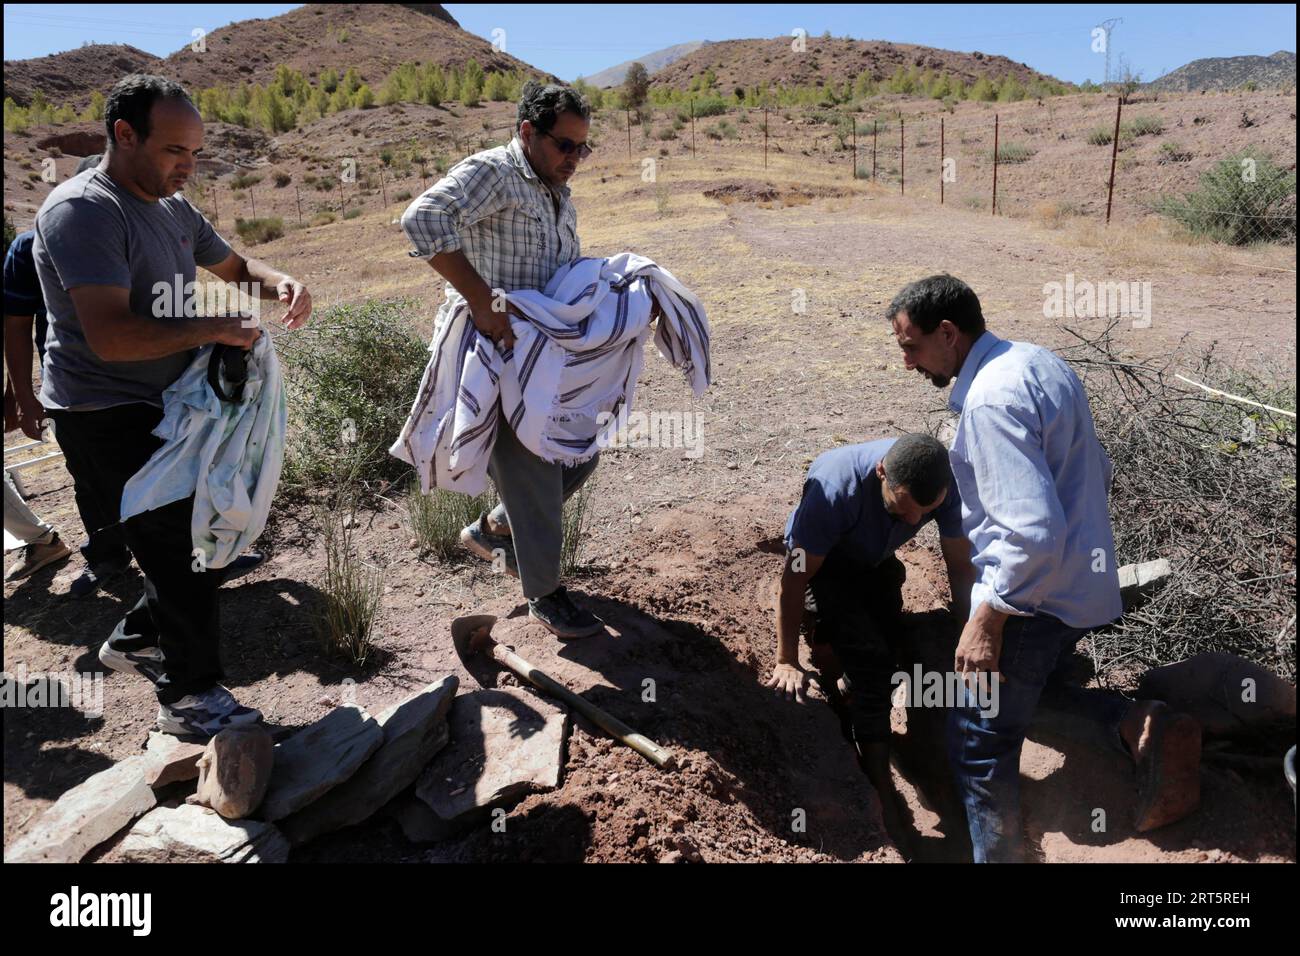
[238, 330]
[980, 647]
[789, 681]
[492, 322]
[31, 416]
[294, 294]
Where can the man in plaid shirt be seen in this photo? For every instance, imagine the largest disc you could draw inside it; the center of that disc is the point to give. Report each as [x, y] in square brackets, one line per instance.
[499, 221]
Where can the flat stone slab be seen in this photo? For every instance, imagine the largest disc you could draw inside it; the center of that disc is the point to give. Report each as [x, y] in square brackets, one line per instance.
[174, 760]
[505, 744]
[194, 834]
[414, 730]
[88, 814]
[1139, 581]
[318, 758]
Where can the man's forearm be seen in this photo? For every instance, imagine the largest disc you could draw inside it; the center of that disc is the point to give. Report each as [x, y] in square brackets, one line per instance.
[789, 615]
[255, 270]
[138, 339]
[18, 354]
[464, 278]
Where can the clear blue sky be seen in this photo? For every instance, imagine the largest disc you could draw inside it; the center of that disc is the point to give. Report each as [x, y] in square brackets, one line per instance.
[573, 40]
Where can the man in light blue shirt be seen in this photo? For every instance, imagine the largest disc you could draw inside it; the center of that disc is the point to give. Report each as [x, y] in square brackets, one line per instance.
[1033, 480]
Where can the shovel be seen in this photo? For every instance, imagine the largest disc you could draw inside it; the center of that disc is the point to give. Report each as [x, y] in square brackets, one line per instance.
[472, 635]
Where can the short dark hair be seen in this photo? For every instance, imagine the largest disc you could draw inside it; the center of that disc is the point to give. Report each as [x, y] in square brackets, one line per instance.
[919, 463]
[929, 301]
[133, 97]
[541, 104]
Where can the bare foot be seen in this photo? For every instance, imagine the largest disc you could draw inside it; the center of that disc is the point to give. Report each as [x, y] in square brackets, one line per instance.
[1167, 749]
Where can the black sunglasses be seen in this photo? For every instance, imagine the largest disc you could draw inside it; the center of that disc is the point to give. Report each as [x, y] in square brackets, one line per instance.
[568, 147]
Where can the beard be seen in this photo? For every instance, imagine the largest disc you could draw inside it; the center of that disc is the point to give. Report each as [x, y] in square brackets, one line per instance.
[938, 381]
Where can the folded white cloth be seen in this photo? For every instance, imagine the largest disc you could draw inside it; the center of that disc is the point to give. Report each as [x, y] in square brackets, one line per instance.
[577, 354]
[228, 455]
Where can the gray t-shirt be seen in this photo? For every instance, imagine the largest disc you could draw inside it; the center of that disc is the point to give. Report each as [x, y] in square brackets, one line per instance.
[91, 231]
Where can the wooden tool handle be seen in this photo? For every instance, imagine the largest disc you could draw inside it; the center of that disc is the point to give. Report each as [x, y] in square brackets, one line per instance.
[607, 722]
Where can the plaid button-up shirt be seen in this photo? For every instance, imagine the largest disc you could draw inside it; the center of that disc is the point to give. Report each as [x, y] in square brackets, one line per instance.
[514, 229]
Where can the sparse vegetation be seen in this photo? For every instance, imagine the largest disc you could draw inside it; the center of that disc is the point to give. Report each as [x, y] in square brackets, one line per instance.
[437, 518]
[352, 589]
[1013, 153]
[255, 231]
[1242, 199]
[350, 377]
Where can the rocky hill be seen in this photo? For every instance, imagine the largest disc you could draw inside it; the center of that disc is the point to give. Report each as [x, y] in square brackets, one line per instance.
[373, 37]
[1230, 73]
[774, 62]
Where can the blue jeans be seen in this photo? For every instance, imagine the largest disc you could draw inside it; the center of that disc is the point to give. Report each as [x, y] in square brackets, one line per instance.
[984, 752]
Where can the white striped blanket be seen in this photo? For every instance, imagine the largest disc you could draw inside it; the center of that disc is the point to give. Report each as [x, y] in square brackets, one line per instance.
[577, 354]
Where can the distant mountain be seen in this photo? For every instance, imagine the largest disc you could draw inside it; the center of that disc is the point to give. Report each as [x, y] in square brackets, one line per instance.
[373, 37]
[1229, 73]
[653, 62]
[69, 77]
[825, 59]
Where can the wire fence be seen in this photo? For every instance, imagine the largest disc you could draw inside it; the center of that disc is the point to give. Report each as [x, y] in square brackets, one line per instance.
[1019, 164]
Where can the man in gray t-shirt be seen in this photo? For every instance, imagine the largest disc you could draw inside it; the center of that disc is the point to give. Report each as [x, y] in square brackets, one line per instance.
[116, 251]
[93, 232]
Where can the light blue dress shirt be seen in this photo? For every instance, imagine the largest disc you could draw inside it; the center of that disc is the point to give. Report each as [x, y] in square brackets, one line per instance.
[1034, 482]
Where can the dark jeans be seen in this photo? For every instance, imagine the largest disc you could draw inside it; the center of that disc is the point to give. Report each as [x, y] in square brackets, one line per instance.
[858, 611]
[985, 751]
[103, 450]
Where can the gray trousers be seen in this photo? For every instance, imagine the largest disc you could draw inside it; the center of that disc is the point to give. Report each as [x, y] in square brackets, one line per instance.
[533, 493]
[20, 521]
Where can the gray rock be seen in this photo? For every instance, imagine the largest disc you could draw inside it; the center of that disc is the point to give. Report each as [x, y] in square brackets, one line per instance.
[505, 744]
[1137, 582]
[174, 760]
[235, 771]
[87, 815]
[318, 758]
[194, 834]
[414, 730]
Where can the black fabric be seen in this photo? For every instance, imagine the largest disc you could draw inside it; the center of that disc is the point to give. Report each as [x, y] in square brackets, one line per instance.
[103, 450]
[857, 609]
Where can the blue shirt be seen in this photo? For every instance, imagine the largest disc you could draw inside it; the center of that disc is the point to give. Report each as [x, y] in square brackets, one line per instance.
[23, 286]
[842, 511]
[1034, 482]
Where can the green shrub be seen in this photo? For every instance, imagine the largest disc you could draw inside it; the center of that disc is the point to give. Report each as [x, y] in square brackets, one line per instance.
[1146, 126]
[323, 218]
[244, 180]
[351, 376]
[352, 213]
[437, 518]
[254, 231]
[577, 522]
[710, 106]
[1013, 153]
[1242, 199]
[282, 180]
[1101, 136]
[1173, 153]
[352, 589]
